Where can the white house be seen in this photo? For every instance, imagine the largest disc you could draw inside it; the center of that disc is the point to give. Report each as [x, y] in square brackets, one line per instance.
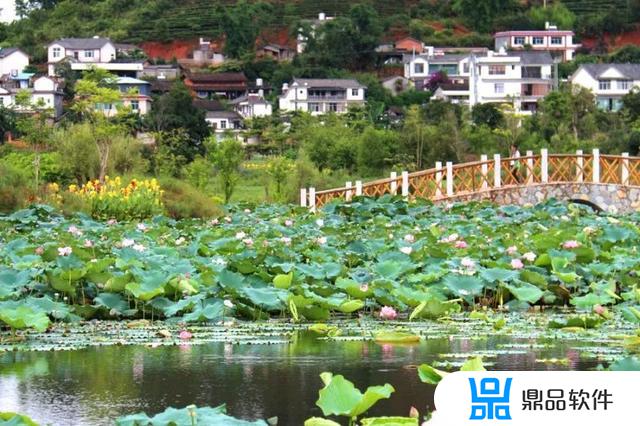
[45, 94]
[134, 94]
[301, 42]
[84, 53]
[520, 78]
[608, 82]
[321, 96]
[12, 61]
[559, 43]
[422, 66]
[224, 123]
[252, 105]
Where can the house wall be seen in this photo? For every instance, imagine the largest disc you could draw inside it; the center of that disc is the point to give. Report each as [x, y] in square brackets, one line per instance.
[104, 54]
[410, 69]
[17, 61]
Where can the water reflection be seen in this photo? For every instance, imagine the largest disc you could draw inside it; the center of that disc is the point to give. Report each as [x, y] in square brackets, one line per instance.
[96, 385]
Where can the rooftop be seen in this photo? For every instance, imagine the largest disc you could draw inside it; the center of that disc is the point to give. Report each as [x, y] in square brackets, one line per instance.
[533, 33]
[629, 71]
[328, 83]
[82, 43]
[130, 80]
[6, 51]
[221, 77]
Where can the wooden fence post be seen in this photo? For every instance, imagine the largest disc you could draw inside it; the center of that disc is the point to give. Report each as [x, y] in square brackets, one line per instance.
[580, 166]
[544, 165]
[358, 187]
[497, 171]
[349, 193]
[625, 168]
[596, 165]
[529, 168]
[438, 179]
[394, 183]
[303, 197]
[484, 168]
[312, 199]
[405, 184]
[449, 178]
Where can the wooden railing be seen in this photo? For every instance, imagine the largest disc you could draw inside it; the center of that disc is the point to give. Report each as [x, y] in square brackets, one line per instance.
[487, 174]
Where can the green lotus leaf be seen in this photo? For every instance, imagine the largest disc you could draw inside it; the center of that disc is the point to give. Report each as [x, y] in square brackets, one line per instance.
[318, 421]
[389, 421]
[525, 292]
[430, 375]
[21, 316]
[15, 419]
[283, 281]
[351, 306]
[340, 397]
[463, 285]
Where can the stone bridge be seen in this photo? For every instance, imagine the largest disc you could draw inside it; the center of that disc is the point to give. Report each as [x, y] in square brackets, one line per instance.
[609, 182]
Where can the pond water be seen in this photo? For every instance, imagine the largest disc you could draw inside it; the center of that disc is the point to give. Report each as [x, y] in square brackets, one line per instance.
[95, 385]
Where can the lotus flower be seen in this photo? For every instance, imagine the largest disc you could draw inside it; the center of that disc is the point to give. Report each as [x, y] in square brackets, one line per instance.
[139, 248]
[214, 222]
[413, 412]
[247, 211]
[461, 244]
[64, 251]
[320, 223]
[142, 227]
[227, 219]
[588, 230]
[88, 243]
[517, 264]
[529, 256]
[228, 303]
[599, 309]
[364, 287]
[570, 244]
[248, 242]
[511, 250]
[74, 230]
[388, 313]
[185, 335]
[180, 241]
[288, 222]
[468, 263]
[39, 250]
[240, 235]
[112, 222]
[286, 241]
[322, 240]
[127, 242]
[409, 238]
[406, 250]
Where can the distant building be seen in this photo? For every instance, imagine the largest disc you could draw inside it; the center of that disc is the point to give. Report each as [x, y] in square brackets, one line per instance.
[558, 43]
[410, 45]
[520, 78]
[301, 42]
[12, 61]
[423, 66]
[159, 72]
[608, 82]
[321, 96]
[227, 85]
[223, 122]
[277, 52]
[206, 54]
[83, 53]
[46, 94]
[251, 106]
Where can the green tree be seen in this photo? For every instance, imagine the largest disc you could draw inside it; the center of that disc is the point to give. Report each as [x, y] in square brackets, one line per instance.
[556, 13]
[487, 114]
[227, 157]
[416, 132]
[376, 150]
[278, 169]
[480, 14]
[242, 24]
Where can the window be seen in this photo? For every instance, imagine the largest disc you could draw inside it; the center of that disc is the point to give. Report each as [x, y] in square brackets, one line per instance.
[624, 84]
[498, 88]
[354, 92]
[465, 68]
[314, 107]
[518, 41]
[497, 70]
[135, 105]
[538, 40]
[604, 85]
[88, 53]
[57, 52]
[418, 68]
[1, 100]
[556, 40]
[333, 107]
[223, 124]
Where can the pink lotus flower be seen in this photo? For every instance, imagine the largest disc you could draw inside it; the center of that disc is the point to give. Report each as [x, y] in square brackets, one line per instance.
[517, 264]
[138, 247]
[127, 242]
[570, 244]
[409, 238]
[39, 250]
[599, 309]
[88, 243]
[288, 222]
[321, 240]
[461, 244]
[414, 413]
[468, 263]
[180, 241]
[248, 242]
[286, 241]
[185, 335]
[406, 250]
[64, 251]
[74, 230]
[529, 256]
[388, 313]
[364, 287]
[214, 222]
[511, 250]
[227, 219]
[240, 235]
[142, 227]
[112, 222]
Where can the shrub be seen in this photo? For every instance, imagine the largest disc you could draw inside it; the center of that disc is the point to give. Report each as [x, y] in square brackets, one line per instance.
[113, 200]
[182, 200]
[15, 189]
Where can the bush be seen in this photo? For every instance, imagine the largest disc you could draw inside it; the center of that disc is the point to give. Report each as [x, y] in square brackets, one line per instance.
[52, 165]
[182, 200]
[15, 189]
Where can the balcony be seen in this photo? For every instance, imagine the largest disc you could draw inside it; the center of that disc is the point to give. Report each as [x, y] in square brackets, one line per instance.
[327, 98]
[531, 72]
[535, 90]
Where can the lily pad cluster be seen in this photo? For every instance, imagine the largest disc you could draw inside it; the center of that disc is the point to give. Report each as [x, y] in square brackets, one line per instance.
[420, 260]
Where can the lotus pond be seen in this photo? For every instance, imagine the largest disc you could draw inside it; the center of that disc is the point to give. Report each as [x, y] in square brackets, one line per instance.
[104, 319]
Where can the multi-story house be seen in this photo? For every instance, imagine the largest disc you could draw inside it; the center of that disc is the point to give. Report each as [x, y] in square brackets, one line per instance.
[134, 94]
[227, 85]
[557, 42]
[83, 53]
[321, 96]
[45, 95]
[206, 54]
[12, 61]
[520, 78]
[251, 106]
[608, 82]
[420, 67]
[301, 42]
